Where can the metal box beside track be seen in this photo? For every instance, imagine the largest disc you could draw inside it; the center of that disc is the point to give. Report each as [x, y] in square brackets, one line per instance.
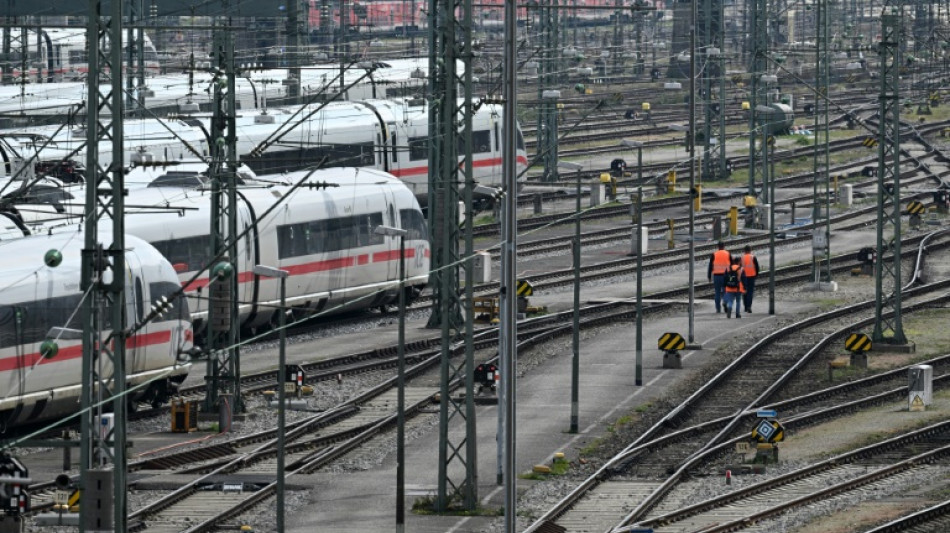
[184, 416]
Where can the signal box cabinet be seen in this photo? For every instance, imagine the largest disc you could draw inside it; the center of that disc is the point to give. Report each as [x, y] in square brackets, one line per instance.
[184, 416]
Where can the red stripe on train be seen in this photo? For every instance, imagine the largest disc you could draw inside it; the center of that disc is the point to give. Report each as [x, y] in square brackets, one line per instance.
[319, 266]
[478, 163]
[75, 352]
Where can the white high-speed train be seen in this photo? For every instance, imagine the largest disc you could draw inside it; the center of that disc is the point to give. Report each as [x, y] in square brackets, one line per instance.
[389, 135]
[36, 299]
[323, 237]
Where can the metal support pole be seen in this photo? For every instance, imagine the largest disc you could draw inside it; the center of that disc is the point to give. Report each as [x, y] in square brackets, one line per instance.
[770, 176]
[509, 248]
[576, 361]
[281, 401]
[692, 169]
[639, 371]
[401, 394]
[639, 168]
[271, 272]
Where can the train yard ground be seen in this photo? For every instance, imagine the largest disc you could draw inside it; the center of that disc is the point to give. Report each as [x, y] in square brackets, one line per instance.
[359, 490]
[337, 489]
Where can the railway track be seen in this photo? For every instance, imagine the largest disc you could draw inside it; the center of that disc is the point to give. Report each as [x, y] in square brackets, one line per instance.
[712, 417]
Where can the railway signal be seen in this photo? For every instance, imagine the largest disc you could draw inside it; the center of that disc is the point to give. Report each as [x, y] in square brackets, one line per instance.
[768, 431]
[487, 375]
[14, 479]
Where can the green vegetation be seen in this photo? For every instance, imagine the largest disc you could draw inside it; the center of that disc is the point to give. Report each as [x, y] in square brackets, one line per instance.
[592, 448]
[426, 506]
[482, 220]
[558, 468]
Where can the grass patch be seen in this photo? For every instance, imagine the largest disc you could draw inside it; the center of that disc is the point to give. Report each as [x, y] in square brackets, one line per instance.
[592, 448]
[425, 506]
[826, 303]
[559, 467]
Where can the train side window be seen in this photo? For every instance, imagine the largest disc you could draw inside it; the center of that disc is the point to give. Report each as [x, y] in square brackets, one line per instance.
[392, 146]
[414, 223]
[318, 237]
[139, 300]
[367, 227]
[285, 241]
[481, 141]
[29, 322]
[333, 240]
[418, 148]
[497, 136]
[186, 254]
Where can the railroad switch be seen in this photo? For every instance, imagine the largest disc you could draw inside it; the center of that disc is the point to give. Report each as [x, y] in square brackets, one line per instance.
[486, 310]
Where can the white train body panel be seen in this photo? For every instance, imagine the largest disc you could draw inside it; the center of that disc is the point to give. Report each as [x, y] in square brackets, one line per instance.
[324, 238]
[35, 298]
[388, 135]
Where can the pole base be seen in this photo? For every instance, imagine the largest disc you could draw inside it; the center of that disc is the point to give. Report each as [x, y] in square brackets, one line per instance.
[879, 346]
[672, 360]
[859, 360]
[694, 346]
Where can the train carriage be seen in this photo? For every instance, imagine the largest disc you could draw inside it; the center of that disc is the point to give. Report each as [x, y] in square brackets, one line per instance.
[388, 135]
[39, 302]
[324, 238]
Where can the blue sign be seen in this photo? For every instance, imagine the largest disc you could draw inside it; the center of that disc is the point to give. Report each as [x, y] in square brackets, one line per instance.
[765, 429]
[766, 413]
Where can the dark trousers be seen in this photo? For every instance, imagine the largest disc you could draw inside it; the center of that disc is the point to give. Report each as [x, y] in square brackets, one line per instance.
[749, 285]
[719, 286]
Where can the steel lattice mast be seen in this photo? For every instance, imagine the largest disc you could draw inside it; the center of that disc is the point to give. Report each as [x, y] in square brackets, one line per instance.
[450, 39]
[547, 108]
[103, 276]
[757, 67]
[714, 82]
[822, 152]
[223, 328]
[887, 316]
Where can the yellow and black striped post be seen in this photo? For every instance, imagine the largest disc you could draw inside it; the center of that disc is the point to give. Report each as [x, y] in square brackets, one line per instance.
[524, 288]
[671, 343]
[915, 210]
[869, 142]
[858, 342]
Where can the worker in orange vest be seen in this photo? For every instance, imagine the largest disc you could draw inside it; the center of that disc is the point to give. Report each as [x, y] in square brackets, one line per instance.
[719, 263]
[750, 267]
[733, 281]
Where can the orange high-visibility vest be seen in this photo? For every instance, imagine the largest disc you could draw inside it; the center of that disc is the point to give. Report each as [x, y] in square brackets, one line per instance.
[748, 264]
[721, 261]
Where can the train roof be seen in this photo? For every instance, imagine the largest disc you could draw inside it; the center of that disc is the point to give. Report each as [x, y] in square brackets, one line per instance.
[347, 181]
[253, 89]
[21, 258]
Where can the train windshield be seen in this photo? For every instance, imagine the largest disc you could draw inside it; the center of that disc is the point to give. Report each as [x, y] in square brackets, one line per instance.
[171, 291]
